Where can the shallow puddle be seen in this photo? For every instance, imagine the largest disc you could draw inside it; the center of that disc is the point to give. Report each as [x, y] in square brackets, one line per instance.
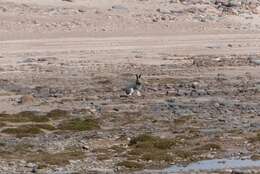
[215, 164]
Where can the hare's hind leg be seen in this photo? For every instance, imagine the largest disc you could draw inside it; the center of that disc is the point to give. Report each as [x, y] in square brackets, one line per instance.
[138, 93]
[131, 92]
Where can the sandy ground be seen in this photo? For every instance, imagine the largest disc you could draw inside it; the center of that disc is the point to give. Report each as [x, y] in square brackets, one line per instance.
[199, 62]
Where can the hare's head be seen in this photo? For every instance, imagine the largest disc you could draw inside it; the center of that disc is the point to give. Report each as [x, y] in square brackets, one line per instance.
[138, 77]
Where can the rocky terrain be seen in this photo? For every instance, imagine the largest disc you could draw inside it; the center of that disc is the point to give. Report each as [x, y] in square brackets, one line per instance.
[64, 66]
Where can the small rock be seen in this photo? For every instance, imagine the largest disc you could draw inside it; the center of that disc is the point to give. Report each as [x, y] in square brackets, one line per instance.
[81, 10]
[119, 7]
[195, 85]
[26, 99]
[28, 60]
[164, 11]
[68, 0]
[202, 20]
[217, 105]
[155, 20]
[163, 18]
[42, 59]
[116, 109]
[30, 165]
[210, 156]
[85, 147]
[218, 59]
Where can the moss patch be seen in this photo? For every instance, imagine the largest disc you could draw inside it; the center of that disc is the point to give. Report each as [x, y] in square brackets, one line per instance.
[29, 153]
[144, 141]
[2, 124]
[28, 130]
[44, 126]
[29, 116]
[255, 138]
[15, 151]
[57, 114]
[2, 144]
[182, 120]
[102, 157]
[23, 131]
[131, 165]
[79, 124]
[255, 157]
[159, 152]
[187, 155]
[26, 116]
[22, 148]
[59, 159]
[147, 147]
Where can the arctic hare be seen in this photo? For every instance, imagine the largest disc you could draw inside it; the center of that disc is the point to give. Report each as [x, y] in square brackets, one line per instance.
[134, 87]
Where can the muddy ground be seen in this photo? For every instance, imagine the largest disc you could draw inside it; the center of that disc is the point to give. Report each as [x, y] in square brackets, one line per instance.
[63, 105]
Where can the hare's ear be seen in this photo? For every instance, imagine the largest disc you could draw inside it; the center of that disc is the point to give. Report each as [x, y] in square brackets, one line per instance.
[137, 76]
[140, 76]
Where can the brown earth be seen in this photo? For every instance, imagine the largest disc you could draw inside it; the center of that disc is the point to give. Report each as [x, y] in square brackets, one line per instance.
[64, 65]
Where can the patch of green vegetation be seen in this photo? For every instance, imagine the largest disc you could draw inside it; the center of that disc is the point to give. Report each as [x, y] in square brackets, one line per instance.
[2, 124]
[4, 153]
[102, 157]
[79, 124]
[147, 147]
[26, 116]
[42, 166]
[182, 120]
[183, 154]
[14, 151]
[2, 144]
[44, 126]
[60, 159]
[28, 130]
[255, 157]
[100, 150]
[22, 148]
[255, 138]
[141, 138]
[42, 158]
[23, 131]
[131, 165]
[144, 141]
[57, 114]
[187, 155]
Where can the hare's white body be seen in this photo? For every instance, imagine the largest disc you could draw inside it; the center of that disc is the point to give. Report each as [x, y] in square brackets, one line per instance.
[130, 91]
[135, 87]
